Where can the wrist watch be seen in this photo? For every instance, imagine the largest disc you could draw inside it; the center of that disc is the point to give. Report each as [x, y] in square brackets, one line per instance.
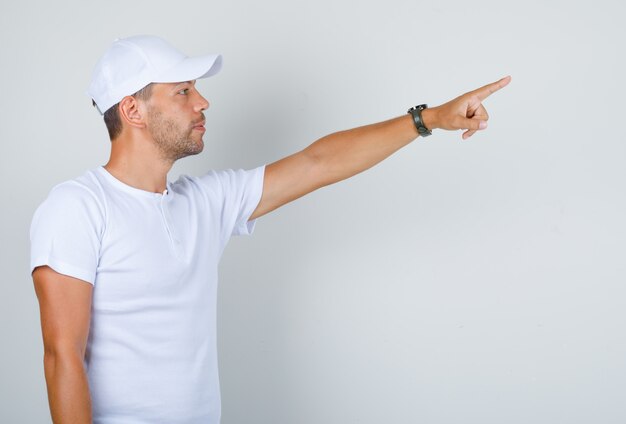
[416, 112]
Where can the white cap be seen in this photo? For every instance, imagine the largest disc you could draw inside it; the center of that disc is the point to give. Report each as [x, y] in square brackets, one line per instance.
[134, 62]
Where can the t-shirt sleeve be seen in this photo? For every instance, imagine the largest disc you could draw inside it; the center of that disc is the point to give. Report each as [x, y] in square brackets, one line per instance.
[240, 193]
[66, 231]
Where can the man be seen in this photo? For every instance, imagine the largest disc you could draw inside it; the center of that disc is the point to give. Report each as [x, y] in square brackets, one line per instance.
[125, 263]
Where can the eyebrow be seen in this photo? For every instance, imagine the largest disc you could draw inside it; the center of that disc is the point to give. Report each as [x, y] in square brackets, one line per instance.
[192, 82]
[176, 86]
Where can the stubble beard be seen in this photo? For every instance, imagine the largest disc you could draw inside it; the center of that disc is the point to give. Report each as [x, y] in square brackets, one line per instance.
[173, 140]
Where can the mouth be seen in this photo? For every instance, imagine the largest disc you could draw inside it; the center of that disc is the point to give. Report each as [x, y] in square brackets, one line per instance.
[200, 126]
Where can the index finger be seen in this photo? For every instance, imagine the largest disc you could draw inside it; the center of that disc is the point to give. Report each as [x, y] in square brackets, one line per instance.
[483, 92]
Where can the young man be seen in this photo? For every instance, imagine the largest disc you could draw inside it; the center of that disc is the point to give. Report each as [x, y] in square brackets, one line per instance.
[125, 263]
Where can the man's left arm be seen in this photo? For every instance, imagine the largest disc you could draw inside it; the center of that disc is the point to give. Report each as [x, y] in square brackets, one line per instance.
[343, 154]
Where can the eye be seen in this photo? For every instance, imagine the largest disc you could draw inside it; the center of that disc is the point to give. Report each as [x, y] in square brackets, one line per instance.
[184, 91]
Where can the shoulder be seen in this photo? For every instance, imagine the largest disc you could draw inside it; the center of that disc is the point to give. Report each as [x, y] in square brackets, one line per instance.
[67, 228]
[221, 180]
[81, 196]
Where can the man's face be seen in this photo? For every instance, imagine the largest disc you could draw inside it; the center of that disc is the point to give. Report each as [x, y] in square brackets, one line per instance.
[175, 119]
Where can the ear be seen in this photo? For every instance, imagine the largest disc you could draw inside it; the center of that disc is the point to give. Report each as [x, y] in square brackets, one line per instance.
[131, 112]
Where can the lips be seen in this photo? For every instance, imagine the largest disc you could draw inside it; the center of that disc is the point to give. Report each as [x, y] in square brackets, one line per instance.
[199, 126]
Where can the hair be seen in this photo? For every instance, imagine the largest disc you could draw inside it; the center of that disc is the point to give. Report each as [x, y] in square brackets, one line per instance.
[112, 116]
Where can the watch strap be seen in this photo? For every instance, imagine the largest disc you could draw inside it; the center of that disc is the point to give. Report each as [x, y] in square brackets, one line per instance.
[416, 113]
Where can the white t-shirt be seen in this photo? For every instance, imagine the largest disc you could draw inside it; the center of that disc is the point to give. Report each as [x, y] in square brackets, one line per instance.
[152, 258]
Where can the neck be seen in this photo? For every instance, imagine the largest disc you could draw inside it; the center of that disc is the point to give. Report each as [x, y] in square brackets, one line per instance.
[138, 163]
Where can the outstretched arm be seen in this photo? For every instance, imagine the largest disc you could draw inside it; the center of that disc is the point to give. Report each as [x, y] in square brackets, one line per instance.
[343, 154]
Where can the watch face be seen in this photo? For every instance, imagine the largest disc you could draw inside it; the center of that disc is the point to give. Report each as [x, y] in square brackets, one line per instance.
[417, 108]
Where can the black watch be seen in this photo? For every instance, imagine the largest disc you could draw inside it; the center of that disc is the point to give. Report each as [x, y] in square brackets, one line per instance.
[416, 112]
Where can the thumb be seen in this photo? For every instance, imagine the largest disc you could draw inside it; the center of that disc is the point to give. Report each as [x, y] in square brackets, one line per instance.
[473, 124]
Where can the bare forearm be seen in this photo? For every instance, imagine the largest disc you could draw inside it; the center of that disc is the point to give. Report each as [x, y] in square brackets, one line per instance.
[68, 389]
[346, 153]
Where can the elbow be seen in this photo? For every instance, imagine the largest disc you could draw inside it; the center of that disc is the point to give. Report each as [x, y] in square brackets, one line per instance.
[59, 362]
[318, 169]
[62, 352]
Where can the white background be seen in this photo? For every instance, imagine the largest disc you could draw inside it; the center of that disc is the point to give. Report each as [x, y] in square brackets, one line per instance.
[456, 282]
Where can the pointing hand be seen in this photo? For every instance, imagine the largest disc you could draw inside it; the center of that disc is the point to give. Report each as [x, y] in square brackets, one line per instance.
[465, 112]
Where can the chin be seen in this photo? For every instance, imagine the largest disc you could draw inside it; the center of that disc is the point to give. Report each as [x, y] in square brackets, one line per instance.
[196, 148]
[201, 148]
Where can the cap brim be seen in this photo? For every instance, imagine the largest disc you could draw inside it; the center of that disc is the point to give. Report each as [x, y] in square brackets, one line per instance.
[192, 68]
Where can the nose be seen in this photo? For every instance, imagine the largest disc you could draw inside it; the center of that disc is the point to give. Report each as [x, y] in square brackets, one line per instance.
[202, 103]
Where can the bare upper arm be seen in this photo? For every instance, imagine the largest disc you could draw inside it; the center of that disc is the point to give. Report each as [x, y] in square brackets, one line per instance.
[286, 180]
[65, 308]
